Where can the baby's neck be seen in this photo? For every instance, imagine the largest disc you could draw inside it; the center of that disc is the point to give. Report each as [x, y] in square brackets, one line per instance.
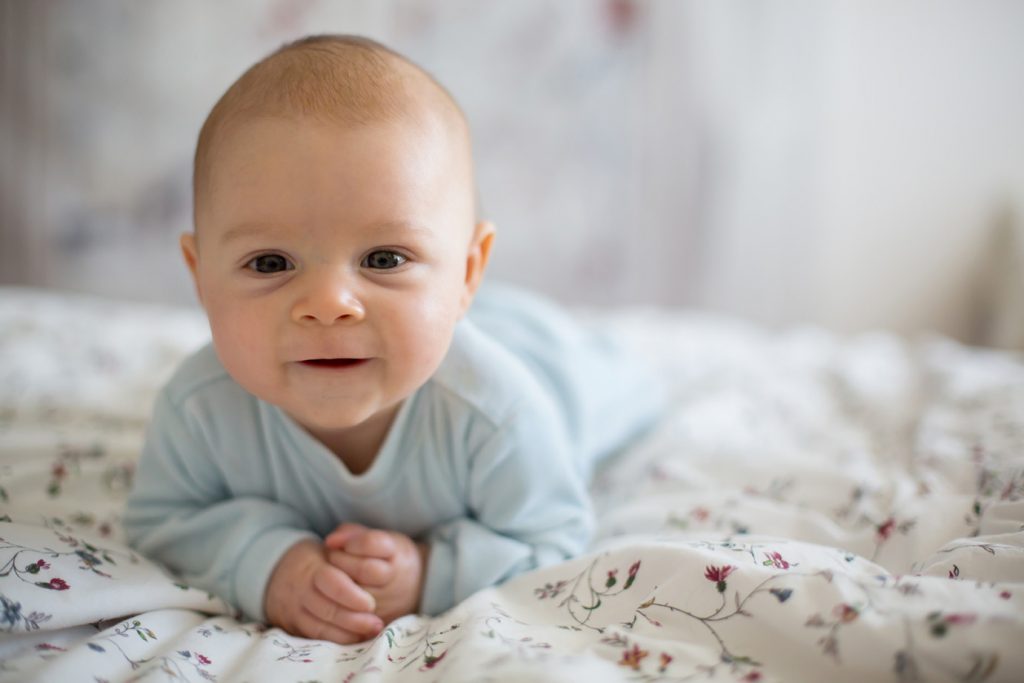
[357, 447]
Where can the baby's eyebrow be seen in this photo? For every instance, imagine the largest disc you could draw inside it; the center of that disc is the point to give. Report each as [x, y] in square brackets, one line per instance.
[249, 229]
[243, 230]
[402, 226]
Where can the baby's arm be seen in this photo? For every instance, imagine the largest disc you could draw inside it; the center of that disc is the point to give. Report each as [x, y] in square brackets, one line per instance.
[527, 507]
[184, 513]
[387, 564]
[309, 597]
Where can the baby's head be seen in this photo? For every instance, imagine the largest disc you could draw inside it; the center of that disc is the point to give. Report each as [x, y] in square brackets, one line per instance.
[336, 242]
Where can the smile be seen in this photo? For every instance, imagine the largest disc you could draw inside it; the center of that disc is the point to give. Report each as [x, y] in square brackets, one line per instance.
[334, 363]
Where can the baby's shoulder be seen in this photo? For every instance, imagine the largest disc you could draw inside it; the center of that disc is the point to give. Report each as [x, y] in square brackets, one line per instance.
[484, 377]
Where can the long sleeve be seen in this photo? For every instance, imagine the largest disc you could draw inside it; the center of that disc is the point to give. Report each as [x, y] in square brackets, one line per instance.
[183, 514]
[527, 508]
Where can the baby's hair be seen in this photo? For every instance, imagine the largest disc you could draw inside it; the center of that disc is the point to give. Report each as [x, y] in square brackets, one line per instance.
[344, 79]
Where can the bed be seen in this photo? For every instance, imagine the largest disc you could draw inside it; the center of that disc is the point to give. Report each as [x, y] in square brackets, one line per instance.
[812, 508]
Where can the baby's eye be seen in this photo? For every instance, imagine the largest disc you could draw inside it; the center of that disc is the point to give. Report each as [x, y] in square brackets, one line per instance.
[383, 260]
[269, 263]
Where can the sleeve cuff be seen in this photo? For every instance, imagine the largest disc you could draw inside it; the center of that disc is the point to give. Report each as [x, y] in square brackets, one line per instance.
[438, 587]
[256, 564]
[465, 557]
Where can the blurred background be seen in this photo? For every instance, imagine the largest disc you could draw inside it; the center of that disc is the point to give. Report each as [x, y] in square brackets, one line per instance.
[858, 164]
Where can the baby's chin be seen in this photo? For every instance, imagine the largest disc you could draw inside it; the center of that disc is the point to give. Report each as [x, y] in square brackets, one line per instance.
[347, 431]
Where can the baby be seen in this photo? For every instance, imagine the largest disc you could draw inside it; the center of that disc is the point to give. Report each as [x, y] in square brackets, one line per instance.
[353, 446]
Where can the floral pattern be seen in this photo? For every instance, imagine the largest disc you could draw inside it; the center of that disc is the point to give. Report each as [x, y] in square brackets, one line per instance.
[794, 518]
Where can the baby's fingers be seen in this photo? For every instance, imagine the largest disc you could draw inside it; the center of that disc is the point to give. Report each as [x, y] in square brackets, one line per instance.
[366, 571]
[373, 543]
[338, 587]
[337, 539]
[341, 627]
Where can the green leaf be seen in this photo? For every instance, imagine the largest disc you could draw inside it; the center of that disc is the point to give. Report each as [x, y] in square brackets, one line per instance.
[594, 606]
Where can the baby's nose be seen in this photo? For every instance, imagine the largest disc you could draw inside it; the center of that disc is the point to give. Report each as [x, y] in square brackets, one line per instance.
[329, 298]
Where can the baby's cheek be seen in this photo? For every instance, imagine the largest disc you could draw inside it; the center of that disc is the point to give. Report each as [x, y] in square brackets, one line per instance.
[241, 342]
[429, 349]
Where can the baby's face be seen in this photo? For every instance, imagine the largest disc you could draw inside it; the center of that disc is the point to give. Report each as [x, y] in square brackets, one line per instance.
[333, 263]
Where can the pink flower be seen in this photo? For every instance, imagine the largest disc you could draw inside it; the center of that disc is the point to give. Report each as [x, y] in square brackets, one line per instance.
[700, 513]
[666, 659]
[1006, 595]
[47, 647]
[429, 661]
[42, 564]
[549, 590]
[776, 559]
[717, 575]
[753, 676]
[632, 658]
[960, 619]
[633, 569]
[846, 613]
[884, 530]
[203, 659]
[59, 584]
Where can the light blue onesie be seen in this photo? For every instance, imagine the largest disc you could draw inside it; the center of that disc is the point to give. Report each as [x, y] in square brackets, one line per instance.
[487, 461]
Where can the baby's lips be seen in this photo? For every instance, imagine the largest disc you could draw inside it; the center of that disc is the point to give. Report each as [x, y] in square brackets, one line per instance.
[333, 362]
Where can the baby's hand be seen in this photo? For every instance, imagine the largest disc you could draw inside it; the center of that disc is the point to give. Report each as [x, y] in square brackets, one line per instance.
[308, 596]
[387, 564]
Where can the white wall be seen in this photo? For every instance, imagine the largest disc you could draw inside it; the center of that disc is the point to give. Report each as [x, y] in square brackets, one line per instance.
[843, 163]
[855, 159]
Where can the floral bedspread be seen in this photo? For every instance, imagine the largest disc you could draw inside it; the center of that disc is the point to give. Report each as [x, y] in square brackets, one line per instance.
[812, 509]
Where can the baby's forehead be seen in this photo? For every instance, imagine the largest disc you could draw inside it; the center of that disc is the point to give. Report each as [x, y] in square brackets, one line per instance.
[344, 80]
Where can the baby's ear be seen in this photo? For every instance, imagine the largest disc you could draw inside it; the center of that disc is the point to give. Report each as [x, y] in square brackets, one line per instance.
[476, 260]
[190, 251]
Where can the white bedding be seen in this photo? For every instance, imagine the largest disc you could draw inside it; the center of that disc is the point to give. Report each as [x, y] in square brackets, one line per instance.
[813, 509]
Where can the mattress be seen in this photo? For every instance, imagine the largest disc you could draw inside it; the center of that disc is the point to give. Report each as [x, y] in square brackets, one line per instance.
[811, 508]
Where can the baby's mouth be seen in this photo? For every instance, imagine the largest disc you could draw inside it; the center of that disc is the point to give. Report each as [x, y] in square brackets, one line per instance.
[334, 362]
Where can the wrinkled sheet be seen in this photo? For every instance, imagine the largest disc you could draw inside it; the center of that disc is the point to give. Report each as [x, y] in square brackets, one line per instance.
[812, 508]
